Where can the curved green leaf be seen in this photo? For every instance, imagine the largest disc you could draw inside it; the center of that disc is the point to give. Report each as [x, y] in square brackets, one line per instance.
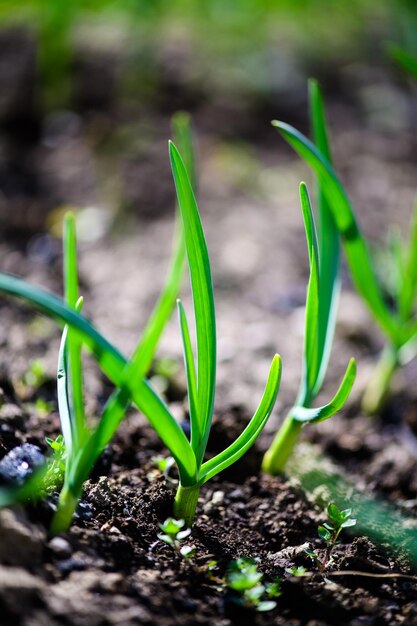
[74, 377]
[115, 366]
[253, 429]
[329, 244]
[311, 343]
[196, 434]
[356, 250]
[64, 405]
[310, 415]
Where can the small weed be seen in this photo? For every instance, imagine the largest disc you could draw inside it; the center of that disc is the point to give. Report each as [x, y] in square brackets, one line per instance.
[337, 520]
[173, 534]
[246, 580]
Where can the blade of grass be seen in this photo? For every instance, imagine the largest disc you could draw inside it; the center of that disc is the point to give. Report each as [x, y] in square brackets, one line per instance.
[248, 437]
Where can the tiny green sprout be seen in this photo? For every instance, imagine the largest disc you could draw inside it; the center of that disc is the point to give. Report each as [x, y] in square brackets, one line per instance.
[398, 323]
[43, 407]
[329, 532]
[55, 473]
[163, 463]
[36, 374]
[245, 579]
[32, 379]
[173, 533]
[296, 570]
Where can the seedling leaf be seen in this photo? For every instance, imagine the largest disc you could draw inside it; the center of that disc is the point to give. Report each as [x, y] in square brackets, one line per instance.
[311, 415]
[248, 437]
[356, 250]
[202, 289]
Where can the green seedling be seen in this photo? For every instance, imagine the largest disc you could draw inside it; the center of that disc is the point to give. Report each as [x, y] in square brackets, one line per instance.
[55, 473]
[173, 533]
[296, 570]
[43, 407]
[400, 325]
[83, 443]
[164, 464]
[244, 578]
[337, 520]
[128, 376]
[320, 318]
[201, 375]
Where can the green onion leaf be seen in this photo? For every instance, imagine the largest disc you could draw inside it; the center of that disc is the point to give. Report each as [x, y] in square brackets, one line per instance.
[253, 429]
[356, 250]
[329, 248]
[202, 290]
[310, 415]
[196, 434]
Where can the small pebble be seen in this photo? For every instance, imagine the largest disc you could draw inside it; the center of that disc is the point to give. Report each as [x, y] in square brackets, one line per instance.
[217, 498]
[11, 414]
[60, 547]
[20, 463]
[72, 565]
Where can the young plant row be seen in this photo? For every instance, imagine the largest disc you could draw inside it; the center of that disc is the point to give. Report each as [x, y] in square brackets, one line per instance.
[336, 220]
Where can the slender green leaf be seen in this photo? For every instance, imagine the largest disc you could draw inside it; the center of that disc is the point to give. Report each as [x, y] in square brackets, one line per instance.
[74, 378]
[115, 366]
[311, 344]
[64, 405]
[408, 292]
[181, 130]
[399, 280]
[329, 248]
[202, 289]
[310, 415]
[70, 260]
[196, 434]
[253, 429]
[356, 250]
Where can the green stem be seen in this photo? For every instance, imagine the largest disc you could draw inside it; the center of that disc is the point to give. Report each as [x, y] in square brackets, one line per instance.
[185, 503]
[67, 505]
[277, 455]
[377, 389]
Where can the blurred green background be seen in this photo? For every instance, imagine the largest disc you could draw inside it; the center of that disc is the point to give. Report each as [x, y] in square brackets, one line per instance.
[103, 78]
